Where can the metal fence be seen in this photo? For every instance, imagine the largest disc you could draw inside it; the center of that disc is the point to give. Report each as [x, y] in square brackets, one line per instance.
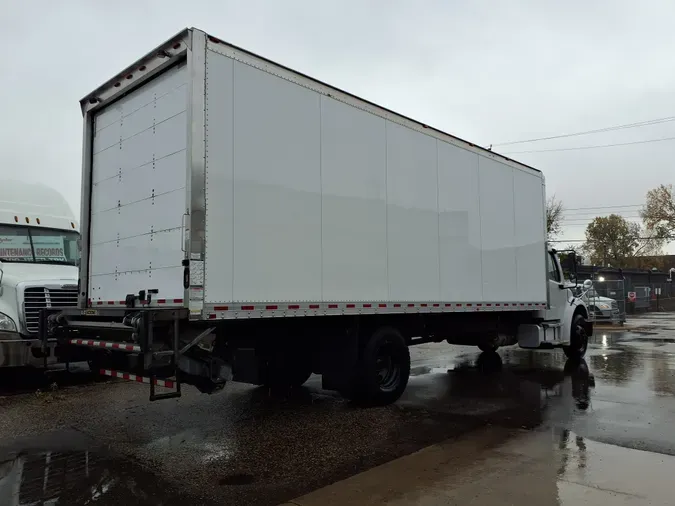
[651, 297]
[612, 300]
[607, 301]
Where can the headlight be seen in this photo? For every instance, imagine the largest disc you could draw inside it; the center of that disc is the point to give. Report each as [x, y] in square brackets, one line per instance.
[6, 323]
[603, 306]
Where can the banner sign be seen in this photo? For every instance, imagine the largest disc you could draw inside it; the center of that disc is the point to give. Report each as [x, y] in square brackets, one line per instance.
[47, 248]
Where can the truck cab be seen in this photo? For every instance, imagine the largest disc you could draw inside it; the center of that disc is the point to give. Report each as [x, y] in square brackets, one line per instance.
[566, 321]
[39, 258]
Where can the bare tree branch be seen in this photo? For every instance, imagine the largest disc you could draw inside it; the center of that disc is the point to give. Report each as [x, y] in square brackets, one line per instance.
[555, 212]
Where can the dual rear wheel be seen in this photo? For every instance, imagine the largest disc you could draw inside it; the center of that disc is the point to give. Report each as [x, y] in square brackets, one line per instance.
[383, 369]
[379, 377]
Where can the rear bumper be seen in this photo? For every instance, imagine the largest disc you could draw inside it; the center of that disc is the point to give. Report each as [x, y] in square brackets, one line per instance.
[18, 351]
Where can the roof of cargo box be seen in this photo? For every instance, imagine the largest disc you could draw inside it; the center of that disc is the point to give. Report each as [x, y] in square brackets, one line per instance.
[165, 54]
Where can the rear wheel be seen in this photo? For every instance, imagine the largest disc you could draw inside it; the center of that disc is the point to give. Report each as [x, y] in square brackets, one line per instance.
[578, 338]
[383, 369]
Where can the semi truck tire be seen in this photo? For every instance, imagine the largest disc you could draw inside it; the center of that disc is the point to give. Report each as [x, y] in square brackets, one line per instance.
[578, 338]
[383, 369]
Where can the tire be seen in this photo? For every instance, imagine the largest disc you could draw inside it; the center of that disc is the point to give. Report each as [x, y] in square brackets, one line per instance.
[383, 369]
[578, 339]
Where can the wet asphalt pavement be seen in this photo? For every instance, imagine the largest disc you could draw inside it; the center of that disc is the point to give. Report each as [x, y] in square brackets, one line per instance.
[72, 441]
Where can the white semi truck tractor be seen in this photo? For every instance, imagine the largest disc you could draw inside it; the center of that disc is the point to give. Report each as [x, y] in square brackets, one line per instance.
[39, 256]
[242, 221]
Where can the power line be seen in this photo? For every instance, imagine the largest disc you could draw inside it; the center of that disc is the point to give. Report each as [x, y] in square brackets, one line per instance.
[601, 207]
[582, 222]
[569, 225]
[582, 214]
[597, 146]
[603, 242]
[595, 214]
[587, 132]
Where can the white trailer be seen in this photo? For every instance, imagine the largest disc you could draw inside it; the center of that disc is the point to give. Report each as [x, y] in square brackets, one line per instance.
[244, 221]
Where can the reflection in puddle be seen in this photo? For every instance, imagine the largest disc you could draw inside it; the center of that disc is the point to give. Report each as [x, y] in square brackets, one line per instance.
[421, 370]
[591, 472]
[515, 389]
[76, 478]
[573, 452]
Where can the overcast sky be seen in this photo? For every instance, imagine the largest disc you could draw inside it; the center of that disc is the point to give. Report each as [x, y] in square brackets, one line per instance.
[485, 70]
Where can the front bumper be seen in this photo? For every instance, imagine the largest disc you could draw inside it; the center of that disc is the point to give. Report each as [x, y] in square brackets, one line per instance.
[607, 315]
[19, 351]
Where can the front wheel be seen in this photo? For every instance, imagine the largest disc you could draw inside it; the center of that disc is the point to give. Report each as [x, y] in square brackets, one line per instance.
[578, 339]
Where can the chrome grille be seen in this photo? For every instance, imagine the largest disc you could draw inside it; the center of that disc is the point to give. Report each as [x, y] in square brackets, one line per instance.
[36, 298]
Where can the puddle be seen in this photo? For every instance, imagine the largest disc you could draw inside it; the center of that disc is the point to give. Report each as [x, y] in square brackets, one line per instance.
[593, 472]
[514, 389]
[62, 478]
[195, 442]
[421, 370]
[656, 340]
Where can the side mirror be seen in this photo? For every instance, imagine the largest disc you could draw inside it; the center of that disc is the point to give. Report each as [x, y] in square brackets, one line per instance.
[568, 262]
[588, 284]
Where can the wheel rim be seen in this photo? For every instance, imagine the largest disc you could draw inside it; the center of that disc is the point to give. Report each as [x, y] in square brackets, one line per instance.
[388, 369]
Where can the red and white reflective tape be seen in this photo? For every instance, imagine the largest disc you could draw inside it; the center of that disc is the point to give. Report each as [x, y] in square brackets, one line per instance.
[106, 344]
[370, 305]
[118, 303]
[245, 310]
[138, 379]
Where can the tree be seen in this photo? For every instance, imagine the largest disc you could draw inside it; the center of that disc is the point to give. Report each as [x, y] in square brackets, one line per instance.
[658, 213]
[555, 212]
[613, 240]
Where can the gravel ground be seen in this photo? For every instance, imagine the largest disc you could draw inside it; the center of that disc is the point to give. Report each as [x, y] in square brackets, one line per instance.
[242, 446]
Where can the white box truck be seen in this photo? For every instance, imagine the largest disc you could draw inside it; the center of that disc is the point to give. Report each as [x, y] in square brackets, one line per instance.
[243, 221]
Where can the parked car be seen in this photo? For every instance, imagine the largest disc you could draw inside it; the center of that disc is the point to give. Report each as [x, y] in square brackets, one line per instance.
[602, 308]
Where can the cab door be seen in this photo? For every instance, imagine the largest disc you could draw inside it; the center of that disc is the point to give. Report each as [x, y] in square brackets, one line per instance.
[558, 296]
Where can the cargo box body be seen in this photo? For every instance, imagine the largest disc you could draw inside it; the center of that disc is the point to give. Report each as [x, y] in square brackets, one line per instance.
[242, 189]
